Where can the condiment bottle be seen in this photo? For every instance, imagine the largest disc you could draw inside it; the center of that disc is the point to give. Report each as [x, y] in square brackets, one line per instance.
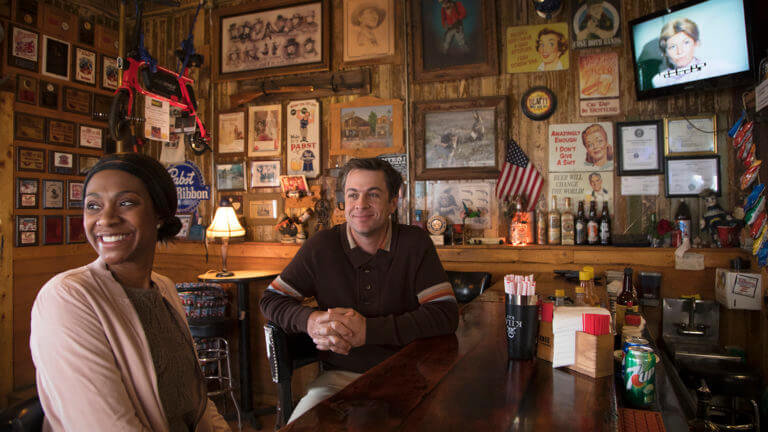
[582, 289]
[560, 297]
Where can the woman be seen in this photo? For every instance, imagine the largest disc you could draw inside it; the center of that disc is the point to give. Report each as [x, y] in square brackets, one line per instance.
[551, 45]
[678, 41]
[109, 340]
[599, 151]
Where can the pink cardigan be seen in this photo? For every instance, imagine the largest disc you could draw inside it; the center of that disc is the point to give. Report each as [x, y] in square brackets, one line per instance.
[94, 366]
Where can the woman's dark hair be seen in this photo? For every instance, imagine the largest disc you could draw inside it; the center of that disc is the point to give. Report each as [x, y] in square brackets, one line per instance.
[156, 179]
[393, 178]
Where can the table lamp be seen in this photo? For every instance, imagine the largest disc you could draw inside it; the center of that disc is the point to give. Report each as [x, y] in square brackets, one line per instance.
[224, 226]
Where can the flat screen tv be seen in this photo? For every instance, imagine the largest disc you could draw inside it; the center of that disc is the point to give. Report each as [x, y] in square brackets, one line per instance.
[698, 45]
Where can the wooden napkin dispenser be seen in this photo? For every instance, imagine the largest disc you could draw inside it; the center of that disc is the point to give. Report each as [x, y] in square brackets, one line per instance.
[545, 341]
[594, 355]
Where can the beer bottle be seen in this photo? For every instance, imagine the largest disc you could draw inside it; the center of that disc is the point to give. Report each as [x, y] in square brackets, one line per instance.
[627, 299]
[566, 224]
[683, 220]
[554, 224]
[605, 226]
[592, 224]
[581, 225]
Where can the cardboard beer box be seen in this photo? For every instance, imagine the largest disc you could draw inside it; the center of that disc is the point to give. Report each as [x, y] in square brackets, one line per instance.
[738, 289]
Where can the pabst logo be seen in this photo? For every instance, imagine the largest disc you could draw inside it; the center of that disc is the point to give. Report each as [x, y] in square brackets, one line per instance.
[190, 188]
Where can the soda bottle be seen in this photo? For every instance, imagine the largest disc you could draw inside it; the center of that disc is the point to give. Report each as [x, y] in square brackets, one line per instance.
[683, 220]
[592, 224]
[605, 226]
[581, 225]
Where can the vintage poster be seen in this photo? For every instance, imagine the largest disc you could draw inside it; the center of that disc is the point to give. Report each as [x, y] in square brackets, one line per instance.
[581, 147]
[303, 130]
[451, 199]
[542, 47]
[158, 123]
[264, 137]
[599, 84]
[596, 24]
[232, 132]
[581, 186]
[369, 29]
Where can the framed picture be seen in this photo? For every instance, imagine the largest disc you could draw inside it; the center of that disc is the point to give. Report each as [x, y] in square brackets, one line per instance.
[265, 173]
[76, 101]
[30, 159]
[448, 198]
[369, 32]
[693, 135]
[101, 106]
[265, 130]
[26, 89]
[75, 229]
[23, 46]
[26, 231]
[459, 139]
[53, 230]
[26, 12]
[59, 23]
[49, 95]
[687, 177]
[230, 176]
[453, 48]
[85, 66]
[27, 193]
[231, 133]
[106, 40]
[85, 31]
[53, 194]
[367, 126]
[290, 184]
[265, 208]
[639, 148]
[186, 222]
[277, 37]
[75, 194]
[85, 163]
[235, 201]
[91, 137]
[28, 127]
[302, 126]
[109, 73]
[61, 132]
[61, 162]
[55, 57]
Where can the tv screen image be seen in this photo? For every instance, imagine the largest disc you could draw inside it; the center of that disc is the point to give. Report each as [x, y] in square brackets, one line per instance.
[692, 44]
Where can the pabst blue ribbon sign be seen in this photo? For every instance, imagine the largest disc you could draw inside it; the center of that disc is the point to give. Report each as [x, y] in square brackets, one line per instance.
[190, 187]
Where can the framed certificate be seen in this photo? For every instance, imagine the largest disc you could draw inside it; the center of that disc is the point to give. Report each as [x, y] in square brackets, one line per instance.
[687, 177]
[56, 58]
[693, 135]
[639, 148]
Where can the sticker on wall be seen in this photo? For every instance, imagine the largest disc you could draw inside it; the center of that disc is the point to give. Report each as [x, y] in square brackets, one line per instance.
[303, 130]
[542, 47]
[190, 186]
[596, 24]
[538, 103]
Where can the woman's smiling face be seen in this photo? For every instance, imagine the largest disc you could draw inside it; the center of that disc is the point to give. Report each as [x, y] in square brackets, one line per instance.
[548, 48]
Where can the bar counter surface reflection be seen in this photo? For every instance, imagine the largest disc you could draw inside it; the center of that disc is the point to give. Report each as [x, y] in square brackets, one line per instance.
[464, 382]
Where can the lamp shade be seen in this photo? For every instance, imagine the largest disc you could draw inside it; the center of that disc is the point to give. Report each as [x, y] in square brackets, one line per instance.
[225, 224]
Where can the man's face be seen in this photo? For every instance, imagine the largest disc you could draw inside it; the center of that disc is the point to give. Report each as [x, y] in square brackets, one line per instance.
[680, 49]
[367, 202]
[548, 48]
[597, 145]
[596, 182]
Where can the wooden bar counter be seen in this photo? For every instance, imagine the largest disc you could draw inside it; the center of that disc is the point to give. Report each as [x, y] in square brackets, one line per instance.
[464, 382]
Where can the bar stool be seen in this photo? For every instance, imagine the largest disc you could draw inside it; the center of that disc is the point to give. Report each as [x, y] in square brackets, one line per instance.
[205, 306]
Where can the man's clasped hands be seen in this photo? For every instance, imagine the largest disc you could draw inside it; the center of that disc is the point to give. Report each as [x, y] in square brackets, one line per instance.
[337, 329]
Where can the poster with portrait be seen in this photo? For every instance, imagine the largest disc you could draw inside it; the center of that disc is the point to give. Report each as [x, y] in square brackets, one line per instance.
[596, 24]
[581, 186]
[581, 147]
[369, 30]
[303, 143]
[541, 47]
[599, 84]
[265, 131]
[448, 198]
[231, 132]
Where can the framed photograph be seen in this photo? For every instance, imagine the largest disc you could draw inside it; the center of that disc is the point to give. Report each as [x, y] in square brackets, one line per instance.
[693, 135]
[23, 47]
[101, 106]
[302, 129]
[55, 58]
[265, 208]
[265, 130]
[75, 194]
[448, 198]
[53, 230]
[76, 101]
[85, 163]
[53, 194]
[61, 132]
[85, 31]
[28, 127]
[27, 193]
[369, 32]
[91, 137]
[290, 184]
[49, 95]
[85, 66]
[276, 37]
[367, 126]
[687, 177]
[26, 89]
[454, 48]
[265, 173]
[26, 231]
[186, 222]
[75, 229]
[61, 162]
[30, 159]
[109, 73]
[235, 201]
[231, 133]
[460, 138]
[230, 176]
[639, 148]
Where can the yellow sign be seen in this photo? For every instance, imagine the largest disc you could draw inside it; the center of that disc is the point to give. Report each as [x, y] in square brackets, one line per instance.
[542, 47]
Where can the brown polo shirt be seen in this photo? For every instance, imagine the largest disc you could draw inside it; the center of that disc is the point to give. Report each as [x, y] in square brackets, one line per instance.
[402, 291]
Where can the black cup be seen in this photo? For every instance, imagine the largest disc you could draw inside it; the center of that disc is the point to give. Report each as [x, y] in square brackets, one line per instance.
[522, 324]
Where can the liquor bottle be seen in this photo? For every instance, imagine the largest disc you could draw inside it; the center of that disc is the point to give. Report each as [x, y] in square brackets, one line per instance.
[605, 226]
[581, 225]
[683, 220]
[592, 224]
[627, 299]
[541, 224]
[567, 224]
[553, 236]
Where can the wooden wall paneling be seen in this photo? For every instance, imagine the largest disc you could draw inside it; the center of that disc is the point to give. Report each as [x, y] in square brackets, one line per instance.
[7, 233]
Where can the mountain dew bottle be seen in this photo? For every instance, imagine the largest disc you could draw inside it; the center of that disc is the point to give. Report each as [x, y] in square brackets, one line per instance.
[640, 376]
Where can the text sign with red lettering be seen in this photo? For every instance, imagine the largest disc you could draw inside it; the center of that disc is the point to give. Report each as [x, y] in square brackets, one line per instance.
[581, 147]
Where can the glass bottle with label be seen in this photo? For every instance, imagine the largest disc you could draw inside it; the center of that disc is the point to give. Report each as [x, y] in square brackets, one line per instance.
[627, 299]
[683, 220]
[541, 223]
[592, 224]
[567, 224]
[581, 225]
[553, 236]
[605, 226]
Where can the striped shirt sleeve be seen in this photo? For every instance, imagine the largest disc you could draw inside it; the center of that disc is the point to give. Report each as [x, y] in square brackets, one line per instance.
[439, 292]
[279, 286]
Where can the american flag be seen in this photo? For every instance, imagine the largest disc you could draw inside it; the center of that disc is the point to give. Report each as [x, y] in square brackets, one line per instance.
[519, 176]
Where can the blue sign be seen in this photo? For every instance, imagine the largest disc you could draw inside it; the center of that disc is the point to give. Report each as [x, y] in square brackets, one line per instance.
[190, 187]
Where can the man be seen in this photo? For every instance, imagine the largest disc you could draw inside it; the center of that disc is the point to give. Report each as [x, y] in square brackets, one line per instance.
[379, 285]
[599, 193]
[452, 15]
